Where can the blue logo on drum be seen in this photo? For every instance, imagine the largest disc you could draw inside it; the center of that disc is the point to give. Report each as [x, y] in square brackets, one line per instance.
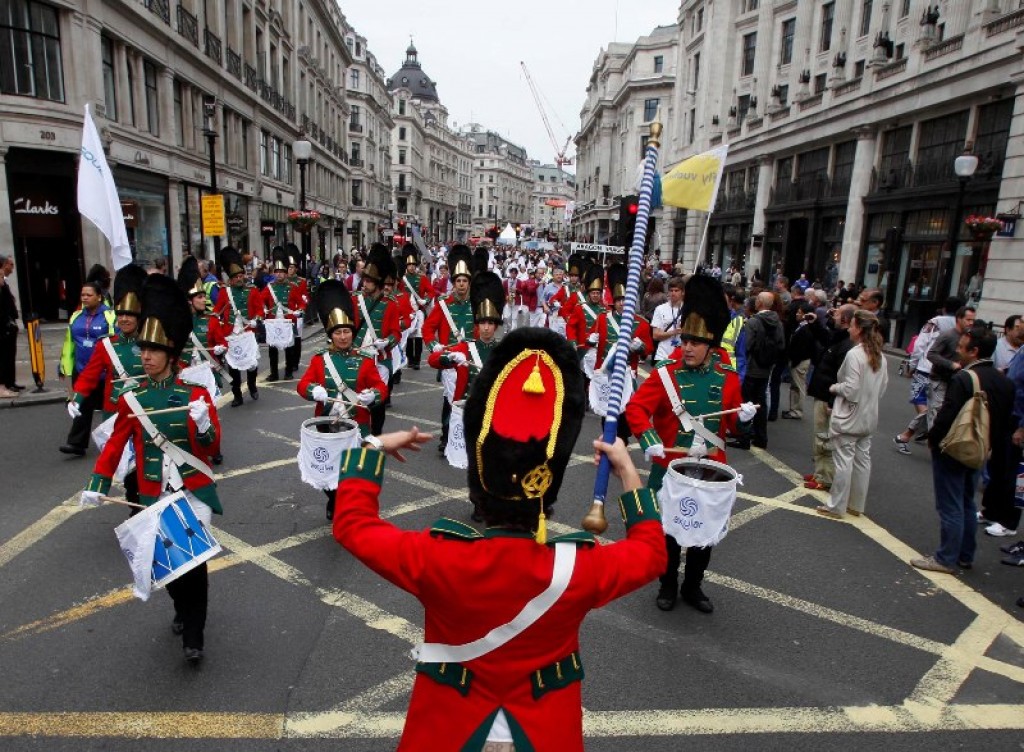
[688, 506]
[320, 454]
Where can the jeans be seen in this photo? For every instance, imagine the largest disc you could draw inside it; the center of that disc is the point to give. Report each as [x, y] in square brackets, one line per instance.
[997, 503]
[955, 484]
[755, 390]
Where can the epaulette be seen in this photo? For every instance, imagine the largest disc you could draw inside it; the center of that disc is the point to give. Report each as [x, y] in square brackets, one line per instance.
[664, 363]
[455, 530]
[580, 538]
[186, 382]
[725, 366]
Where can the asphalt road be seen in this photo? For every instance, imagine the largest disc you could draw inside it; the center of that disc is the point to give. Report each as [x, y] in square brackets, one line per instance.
[823, 636]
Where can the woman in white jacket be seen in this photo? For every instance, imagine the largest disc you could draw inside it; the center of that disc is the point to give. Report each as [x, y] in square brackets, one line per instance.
[863, 378]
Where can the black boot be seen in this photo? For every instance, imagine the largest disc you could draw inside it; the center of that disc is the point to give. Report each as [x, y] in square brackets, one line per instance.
[666, 599]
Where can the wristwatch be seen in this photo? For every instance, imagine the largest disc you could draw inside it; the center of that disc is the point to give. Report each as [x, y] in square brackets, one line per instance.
[372, 442]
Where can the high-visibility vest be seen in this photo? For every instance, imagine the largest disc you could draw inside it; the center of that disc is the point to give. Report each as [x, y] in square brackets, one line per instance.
[731, 335]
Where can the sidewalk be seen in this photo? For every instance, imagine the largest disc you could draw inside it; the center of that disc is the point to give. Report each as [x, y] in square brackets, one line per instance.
[55, 390]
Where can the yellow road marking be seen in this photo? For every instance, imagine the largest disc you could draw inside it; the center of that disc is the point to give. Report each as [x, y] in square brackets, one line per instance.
[39, 529]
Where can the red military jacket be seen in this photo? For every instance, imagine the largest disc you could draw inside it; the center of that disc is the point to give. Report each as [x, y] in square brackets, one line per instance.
[436, 330]
[707, 389]
[355, 369]
[607, 337]
[100, 369]
[250, 307]
[441, 359]
[579, 322]
[469, 583]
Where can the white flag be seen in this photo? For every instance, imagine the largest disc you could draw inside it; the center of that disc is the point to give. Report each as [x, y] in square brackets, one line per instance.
[97, 194]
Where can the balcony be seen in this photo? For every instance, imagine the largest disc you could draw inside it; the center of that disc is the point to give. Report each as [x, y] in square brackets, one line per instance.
[893, 69]
[804, 188]
[812, 101]
[188, 25]
[944, 48]
[848, 88]
[160, 8]
[1010, 21]
[403, 189]
[212, 46]
[234, 64]
[356, 162]
[355, 127]
[251, 81]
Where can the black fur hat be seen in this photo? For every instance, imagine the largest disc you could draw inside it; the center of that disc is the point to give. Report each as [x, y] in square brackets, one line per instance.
[593, 278]
[460, 262]
[617, 280]
[279, 259]
[705, 313]
[379, 264]
[189, 280]
[128, 289]
[410, 255]
[294, 255]
[230, 261]
[576, 265]
[166, 315]
[334, 306]
[481, 259]
[487, 297]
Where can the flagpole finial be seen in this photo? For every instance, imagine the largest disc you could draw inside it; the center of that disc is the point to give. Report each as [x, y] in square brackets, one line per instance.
[655, 138]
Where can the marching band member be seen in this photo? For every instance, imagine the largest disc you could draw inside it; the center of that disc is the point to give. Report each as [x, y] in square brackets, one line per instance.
[487, 679]
[341, 371]
[584, 316]
[702, 380]
[298, 304]
[572, 292]
[239, 307]
[467, 357]
[379, 322]
[168, 443]
[420, 293]
[282, 299]
[605, 333]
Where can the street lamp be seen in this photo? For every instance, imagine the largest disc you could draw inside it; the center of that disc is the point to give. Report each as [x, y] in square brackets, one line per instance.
[391, 225]
[302, 150]
[964, 167]
[210, 131]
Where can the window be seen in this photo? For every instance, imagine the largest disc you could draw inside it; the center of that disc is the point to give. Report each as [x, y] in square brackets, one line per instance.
[131, 93]
[650, 109]
[693, 125]
[749, 5]
[749, 50]
[402, 206]
[659, 63]
[696, 71]
[900, 51]
[905, 9]
[858, 69]
[783, 95]
[275, 158]
[865, 17]
[819, 82]
[788, 32]
[357, 152]
[401, 133]
[353, 118]
[357, 193]
[244, 162]
[109, 88]
[401, 106]
[700, 19]
[179, 115]
[742, 108]
[264, 153]
[31, 64]
[353, 79]
[152, 98]
[828, 15]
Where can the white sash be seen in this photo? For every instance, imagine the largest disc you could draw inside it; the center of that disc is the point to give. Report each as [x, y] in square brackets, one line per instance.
[172, 451]
[234, 306]
[685, 421]
[204, 353]
[343, 388]
[613, 324]
[565, 562]
[277, 303]
[475, 355]
[114, 358]
[371, 334]
[460, 335]
[412, 292]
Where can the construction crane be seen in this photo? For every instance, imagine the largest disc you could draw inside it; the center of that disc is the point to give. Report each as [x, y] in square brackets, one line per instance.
[560, 158]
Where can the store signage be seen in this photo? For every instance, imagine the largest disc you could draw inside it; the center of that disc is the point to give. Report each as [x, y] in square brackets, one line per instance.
[596, 248]
[236, 224]
[37, 216]
[267, 228]
[130, 212]
[213, 215]
[339, 230]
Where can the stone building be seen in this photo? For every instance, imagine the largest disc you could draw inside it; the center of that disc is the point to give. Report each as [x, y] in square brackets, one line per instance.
[553, 189]
[502, 180]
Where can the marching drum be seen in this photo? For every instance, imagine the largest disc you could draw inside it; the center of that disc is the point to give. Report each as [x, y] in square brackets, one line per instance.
[280, 333]
[321, 442]
[243, 351]
[696, 500]
[448, 380]
[589, 360]
[601, 391]
[201, 374]
[455, 450]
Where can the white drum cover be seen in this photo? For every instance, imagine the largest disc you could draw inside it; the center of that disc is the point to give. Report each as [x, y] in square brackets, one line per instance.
[320, 453]
[101, 435]
[694, 511]
[455, 450]
[243, 351]
[280, 333]
[589, 359]
[201, 374]
[448, 377]
[601, 392]
[556, 324]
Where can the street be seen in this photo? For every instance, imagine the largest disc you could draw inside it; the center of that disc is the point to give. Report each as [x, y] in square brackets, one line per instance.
[821, 632]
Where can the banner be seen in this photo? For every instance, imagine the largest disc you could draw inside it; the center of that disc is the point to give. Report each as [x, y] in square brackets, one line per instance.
[693, 183]
[97, 194]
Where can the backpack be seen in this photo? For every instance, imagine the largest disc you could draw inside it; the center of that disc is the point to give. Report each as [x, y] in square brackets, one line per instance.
[967, 440]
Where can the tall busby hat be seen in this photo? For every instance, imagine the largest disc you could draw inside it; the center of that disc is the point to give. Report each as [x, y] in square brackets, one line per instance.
[334, 306]
[190, 281]
[294, 255]
[576, 265]
[98, 275]
[522, 418]
[379, 264]
[593, 278]
[487, 297]
[410, 254]
[127, 289]
[460, 261]
[705, 313]
[279, 257]
[481, 260]
[166, 315]
[230, 261]
[617, 280]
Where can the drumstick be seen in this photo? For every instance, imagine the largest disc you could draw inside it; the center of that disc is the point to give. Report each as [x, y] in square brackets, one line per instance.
[164, 410]
[116, 500]
[723, 412]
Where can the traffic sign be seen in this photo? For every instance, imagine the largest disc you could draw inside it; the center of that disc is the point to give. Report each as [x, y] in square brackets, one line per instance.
[213, 215]
[388, 233]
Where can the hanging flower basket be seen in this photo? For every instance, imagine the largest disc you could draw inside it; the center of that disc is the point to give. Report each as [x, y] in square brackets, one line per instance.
[303, 220]
[981, 227]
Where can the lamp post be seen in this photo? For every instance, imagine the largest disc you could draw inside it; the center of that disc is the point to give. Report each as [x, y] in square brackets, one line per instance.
[391, 225]
[964, 167]
[302, 149]
[210, 132]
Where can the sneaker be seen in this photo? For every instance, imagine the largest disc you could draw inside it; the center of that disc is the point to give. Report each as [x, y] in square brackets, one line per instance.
[1014, 549]
[72, 449]
[6, 393]
[929, 563]
[790, 415]
[998, 531]
[901, 445]
[1014, 561]
[816, 485]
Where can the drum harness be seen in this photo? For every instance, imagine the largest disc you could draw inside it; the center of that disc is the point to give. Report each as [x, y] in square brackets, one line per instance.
[172, 452]
[451, 322]
[115, 359]
[204, 353]
[687, 421]
[277, 303]
[343, 388]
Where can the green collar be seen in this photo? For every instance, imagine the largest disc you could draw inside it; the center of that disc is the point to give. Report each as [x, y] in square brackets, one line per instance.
[500, 532]
[164, 383]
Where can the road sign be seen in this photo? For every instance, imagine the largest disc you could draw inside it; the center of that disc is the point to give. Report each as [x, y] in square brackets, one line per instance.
[213, 215]
[387, 233]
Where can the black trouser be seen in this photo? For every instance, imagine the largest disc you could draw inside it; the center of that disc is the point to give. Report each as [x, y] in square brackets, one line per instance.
[997, 504]
[8, 352]
[377, 415]
[775, 389]
[189, 593]
[446, 418]
[414, 351]
[292, 356]
[236, 381]
[755, 390]
[697, 560]
[81, 426]
[330, 494]
[131, 489]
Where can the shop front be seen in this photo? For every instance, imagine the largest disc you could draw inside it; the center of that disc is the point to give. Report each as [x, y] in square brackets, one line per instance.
[144, 207]
[190, 219]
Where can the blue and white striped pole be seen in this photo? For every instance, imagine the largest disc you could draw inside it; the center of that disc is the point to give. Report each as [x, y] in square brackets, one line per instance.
[618, 371]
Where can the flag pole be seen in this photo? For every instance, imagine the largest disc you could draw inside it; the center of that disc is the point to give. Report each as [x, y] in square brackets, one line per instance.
[703, 238]
[618, 372]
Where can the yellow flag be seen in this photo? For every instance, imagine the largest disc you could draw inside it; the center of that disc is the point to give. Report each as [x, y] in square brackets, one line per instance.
[693, 183]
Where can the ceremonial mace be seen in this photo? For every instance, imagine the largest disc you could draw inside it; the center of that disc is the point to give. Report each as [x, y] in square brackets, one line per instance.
[618, 372]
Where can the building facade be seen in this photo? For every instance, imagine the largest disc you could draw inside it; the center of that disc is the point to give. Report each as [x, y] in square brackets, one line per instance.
[502, 181]
[553, 189]
[844, 120]
[629, 85]
[272, 71]
[369, 146]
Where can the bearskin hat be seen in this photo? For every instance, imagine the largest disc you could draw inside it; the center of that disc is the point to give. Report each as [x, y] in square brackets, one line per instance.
[127, 289]
[166, 315]
[279, 259]
[410, 255]
[576, 265]
[334, 306]
[379, 264]
[487, 297]
[593, 277]
[705, 313]
[460, 261]
[617, 280]
[481, 260]
[190, 281]
[230, 261]
[294, 255]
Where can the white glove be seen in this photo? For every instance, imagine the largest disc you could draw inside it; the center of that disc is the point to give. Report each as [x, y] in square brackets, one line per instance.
[319, 394]
[747, 412]
[219, 350]
[636, 345]
[199, 412]
[593, 338]
[437, 348]
[380, 344]
[458, 358]
[367, 396]
[556, 305]
[698, 448]
[90, 499]
[654, 450]
[74, 410]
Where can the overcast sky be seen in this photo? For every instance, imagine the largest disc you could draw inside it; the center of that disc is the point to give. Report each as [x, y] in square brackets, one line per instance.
[472, 49]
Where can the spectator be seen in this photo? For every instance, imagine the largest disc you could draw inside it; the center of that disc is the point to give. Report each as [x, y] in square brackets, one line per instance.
[653, 298]
[441, 283]
[666, 325]
[159, 266]
[765, 340]
[803, 283]
[781, 365]
[1009, 344]
[781, 287]
[354, 280]
[1015, 552]
[943, 356]
[955, 482]
[803, 347]
[8, 331]
[733, 340]
[860, 385]
[871, 300]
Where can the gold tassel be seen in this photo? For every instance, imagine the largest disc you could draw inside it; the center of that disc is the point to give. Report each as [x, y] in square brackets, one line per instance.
[534, 383]
[542, 526]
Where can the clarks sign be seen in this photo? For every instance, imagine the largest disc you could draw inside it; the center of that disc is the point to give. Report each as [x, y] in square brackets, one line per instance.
[24, 205]
[36, 216]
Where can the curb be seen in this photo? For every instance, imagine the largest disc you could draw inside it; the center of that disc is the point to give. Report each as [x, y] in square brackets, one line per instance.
[27, 401]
